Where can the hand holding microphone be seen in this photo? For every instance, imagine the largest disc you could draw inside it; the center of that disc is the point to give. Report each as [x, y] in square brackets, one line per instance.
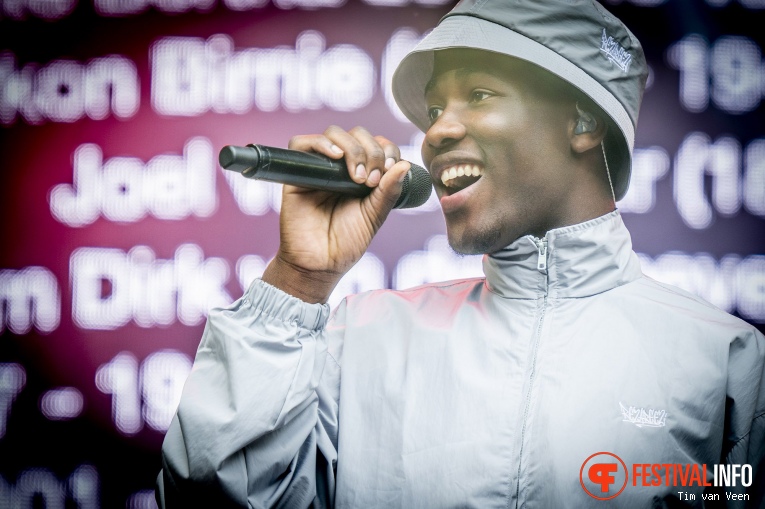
[313, 171]
[341, 187]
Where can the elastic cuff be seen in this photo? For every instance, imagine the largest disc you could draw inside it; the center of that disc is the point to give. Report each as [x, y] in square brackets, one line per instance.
[279, 304]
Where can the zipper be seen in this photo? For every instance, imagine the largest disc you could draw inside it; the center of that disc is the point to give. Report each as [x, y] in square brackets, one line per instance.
[541, 267]
[542, 258]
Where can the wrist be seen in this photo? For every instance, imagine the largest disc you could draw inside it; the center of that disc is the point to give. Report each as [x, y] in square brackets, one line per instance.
[313, 287]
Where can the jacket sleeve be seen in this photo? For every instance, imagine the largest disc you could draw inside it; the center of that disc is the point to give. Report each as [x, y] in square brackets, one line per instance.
[257, 422]
[745, 420]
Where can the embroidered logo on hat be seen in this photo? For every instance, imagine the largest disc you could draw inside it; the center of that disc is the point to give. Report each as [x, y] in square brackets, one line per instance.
[615, 52]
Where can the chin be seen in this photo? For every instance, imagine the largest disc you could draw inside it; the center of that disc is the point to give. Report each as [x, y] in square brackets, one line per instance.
[476, 242]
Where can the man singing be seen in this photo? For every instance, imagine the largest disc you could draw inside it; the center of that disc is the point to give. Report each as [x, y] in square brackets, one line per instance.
[487, 392]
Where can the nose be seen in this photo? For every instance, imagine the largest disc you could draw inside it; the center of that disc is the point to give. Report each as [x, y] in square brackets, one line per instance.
[446, 130]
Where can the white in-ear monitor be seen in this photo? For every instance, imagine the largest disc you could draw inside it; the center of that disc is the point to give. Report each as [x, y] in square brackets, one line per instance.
[586, 123]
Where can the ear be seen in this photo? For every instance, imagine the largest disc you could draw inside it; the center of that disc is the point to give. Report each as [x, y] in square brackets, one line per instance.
[586, 131]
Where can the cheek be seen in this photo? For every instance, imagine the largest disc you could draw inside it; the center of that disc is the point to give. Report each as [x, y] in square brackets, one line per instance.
[427, 154]
[506, 121]
[509, 135]
[551, 129]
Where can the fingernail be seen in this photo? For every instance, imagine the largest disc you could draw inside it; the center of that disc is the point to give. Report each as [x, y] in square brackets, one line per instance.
[389, 163]
[374, 177]
[361, 172]
[403, 176]
[337, 150]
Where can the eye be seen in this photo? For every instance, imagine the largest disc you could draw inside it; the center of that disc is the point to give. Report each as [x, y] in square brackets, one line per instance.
[434, 112]
[479, 95]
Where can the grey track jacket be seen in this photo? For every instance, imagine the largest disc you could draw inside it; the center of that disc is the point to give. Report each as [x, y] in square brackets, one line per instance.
[475, 393]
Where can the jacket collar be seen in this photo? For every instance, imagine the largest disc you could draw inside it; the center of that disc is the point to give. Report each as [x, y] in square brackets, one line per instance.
[581, 260]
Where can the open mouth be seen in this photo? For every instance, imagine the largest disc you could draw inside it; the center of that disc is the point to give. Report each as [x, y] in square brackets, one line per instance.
[458, 177]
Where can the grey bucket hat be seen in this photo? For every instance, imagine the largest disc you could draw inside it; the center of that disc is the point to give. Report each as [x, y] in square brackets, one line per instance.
[577, 40]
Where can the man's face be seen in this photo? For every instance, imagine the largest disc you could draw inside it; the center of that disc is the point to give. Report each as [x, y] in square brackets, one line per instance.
[496, 116]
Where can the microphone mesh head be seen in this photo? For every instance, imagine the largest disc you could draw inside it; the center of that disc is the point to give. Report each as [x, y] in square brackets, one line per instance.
[416, 190]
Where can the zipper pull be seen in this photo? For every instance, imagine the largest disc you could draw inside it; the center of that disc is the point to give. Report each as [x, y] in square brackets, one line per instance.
[542, 260]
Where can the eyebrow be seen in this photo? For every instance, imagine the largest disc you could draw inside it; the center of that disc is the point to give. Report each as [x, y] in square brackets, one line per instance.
[461, 73]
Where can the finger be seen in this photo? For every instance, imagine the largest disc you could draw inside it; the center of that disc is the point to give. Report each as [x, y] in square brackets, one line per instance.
[355, 154]
[315, 143]
[375, 155]
[381, 200]
[392, 152]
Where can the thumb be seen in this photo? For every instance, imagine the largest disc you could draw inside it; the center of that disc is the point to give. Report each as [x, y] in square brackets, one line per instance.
[385, 195]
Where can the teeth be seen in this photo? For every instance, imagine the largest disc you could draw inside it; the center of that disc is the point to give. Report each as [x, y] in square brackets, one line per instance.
[469, 170]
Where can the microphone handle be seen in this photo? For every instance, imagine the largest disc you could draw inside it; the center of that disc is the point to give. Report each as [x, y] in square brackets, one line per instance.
[301, 169]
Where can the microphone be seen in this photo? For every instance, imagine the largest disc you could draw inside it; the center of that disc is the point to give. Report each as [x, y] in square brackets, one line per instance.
[315, 171]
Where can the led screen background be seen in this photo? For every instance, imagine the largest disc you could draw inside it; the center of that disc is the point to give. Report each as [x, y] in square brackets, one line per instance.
[120, 230]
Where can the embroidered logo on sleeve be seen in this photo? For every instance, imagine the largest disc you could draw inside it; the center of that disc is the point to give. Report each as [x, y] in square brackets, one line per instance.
[641, 417]
[615, 52]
